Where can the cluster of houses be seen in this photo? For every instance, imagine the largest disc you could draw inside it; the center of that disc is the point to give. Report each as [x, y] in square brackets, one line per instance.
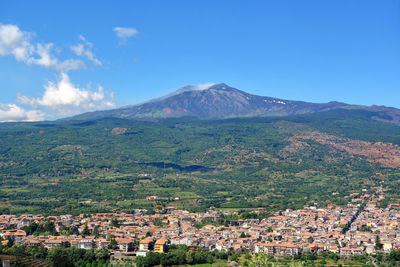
[348, 231]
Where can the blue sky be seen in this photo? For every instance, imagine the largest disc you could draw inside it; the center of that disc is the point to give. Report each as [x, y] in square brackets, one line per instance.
[59, 58]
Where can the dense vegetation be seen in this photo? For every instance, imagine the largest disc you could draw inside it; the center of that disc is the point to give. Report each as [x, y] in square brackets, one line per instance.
[326, 259]
[114, 164]
[181, 255]
[58, 256]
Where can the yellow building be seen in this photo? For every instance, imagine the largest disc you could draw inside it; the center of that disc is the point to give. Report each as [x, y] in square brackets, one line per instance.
[161, 245]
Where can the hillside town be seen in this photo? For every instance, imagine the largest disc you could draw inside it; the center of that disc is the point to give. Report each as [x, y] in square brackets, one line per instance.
[359, 228]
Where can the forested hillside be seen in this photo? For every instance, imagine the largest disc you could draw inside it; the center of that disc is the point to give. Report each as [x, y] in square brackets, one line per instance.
[115, 164]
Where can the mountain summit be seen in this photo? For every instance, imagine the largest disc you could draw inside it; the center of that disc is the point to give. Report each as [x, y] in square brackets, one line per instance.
[218, 101]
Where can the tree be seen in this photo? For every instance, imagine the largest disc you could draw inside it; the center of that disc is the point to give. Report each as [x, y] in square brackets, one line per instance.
[64, 232]
[75, 254]
[58, 257]
[115, 223]
[140, 261]
[74, 230]
[102, 255]
[86, 231]
[158, 222]
[31, 228]
[210, 259]
[89, 255]
[50, 228]
[378, 244]
[235, 257]
[260, 260]
[113, 244]
[189, 258]
[39, 252]
[96, 231]
[10, 242]
[152, 259]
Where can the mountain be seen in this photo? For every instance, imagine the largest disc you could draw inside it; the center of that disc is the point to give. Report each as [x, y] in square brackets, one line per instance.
[215, 147]
[217, 101]
[222, 101]
[317, 153]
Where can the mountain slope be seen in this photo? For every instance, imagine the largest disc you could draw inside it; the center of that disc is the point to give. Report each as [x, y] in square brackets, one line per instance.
[273, 162]
[218, 101]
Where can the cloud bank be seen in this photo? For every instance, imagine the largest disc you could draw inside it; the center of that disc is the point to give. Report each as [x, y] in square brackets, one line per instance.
[12, 113]
[61, 98]
[19, 44]
[64, 98]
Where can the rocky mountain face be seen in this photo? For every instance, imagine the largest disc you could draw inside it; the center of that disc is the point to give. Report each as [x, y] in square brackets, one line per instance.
[222, 101]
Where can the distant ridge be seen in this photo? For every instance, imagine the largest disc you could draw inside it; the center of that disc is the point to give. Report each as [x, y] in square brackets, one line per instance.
[222, 101]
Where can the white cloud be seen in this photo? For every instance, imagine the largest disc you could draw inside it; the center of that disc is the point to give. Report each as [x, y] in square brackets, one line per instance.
[70, 64]
[60, 98]
[124, 33]
[84, 49]
[64, 98]
[45, 59]
[204, 86]
[12, 112]
[14, 42]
